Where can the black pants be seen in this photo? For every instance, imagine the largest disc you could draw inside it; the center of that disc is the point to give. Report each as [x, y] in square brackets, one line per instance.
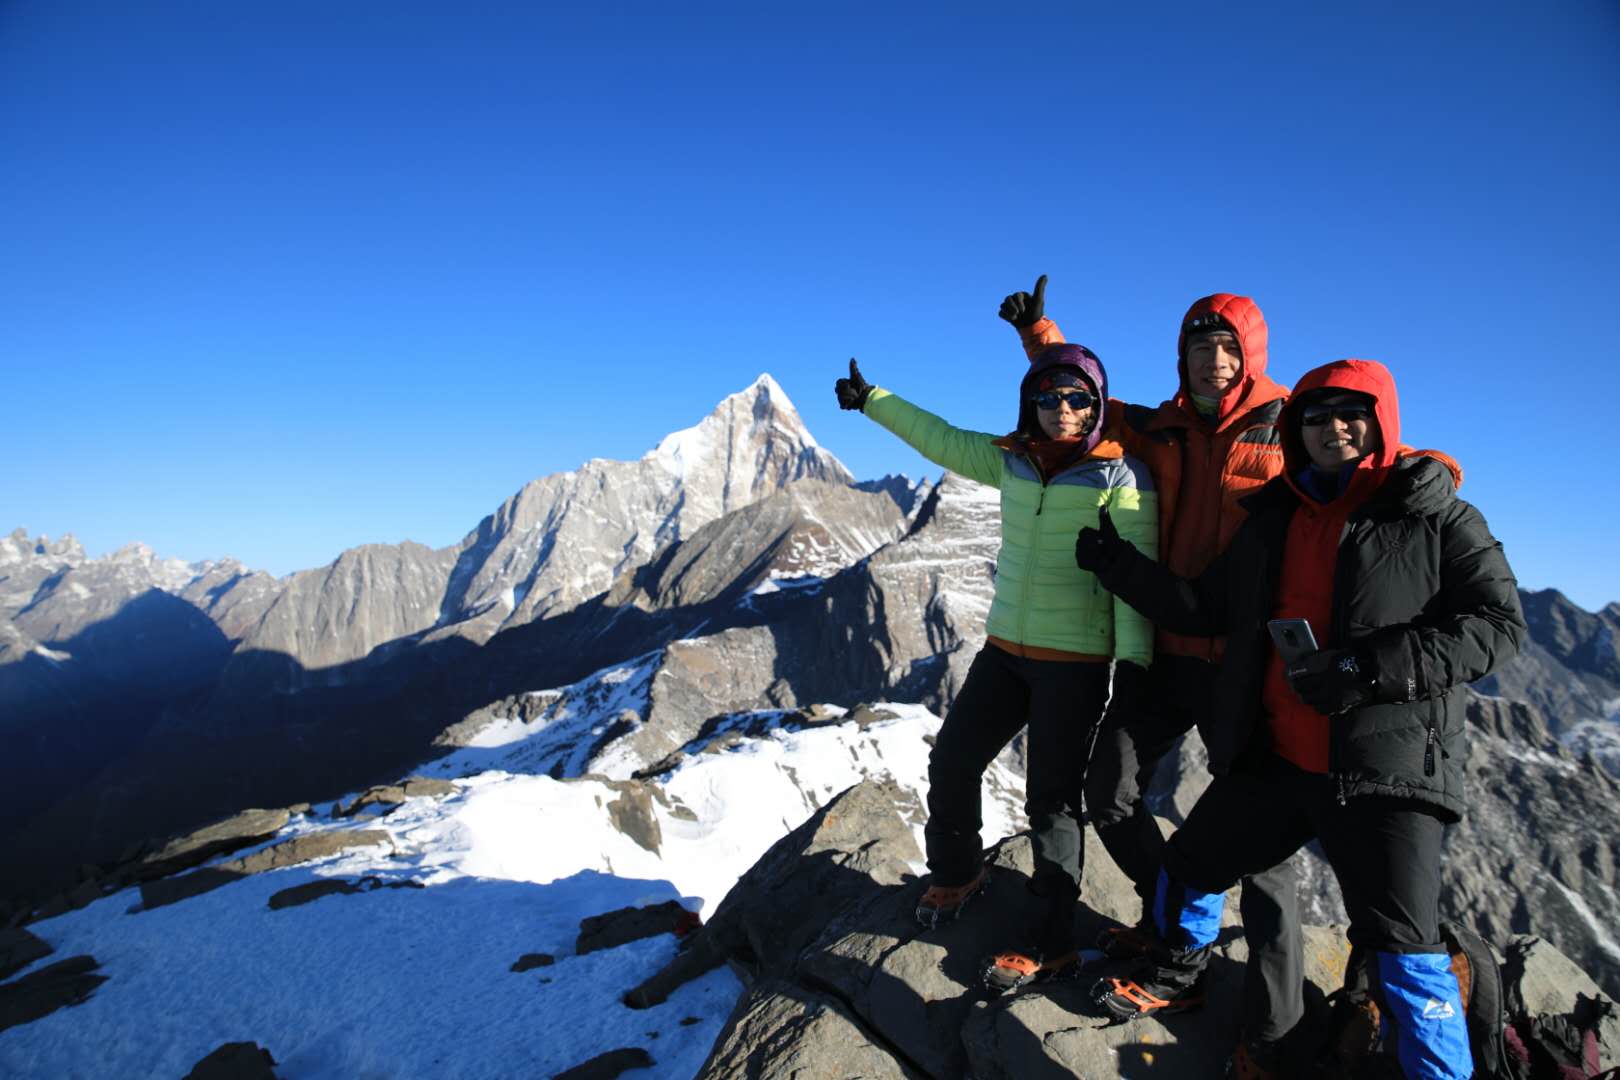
[1385, 852]
[1129, 750]
[1060, 702]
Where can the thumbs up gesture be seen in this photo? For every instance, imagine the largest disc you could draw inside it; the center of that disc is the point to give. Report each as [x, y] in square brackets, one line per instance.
[1095, 548]
[1024, 309]
[853, 390]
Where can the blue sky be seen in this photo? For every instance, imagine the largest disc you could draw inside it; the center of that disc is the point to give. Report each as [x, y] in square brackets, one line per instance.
[280, 279]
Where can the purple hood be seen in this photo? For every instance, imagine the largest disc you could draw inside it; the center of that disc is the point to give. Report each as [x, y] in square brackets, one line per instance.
[1076, 358]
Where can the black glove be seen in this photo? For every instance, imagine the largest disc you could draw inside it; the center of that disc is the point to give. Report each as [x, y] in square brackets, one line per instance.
[1096, 548]
[853, 390]
[1025, 309]
[1333, 681]
[1130, 693]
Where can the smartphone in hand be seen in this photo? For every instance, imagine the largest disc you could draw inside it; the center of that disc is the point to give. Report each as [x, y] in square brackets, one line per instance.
[1293, 639]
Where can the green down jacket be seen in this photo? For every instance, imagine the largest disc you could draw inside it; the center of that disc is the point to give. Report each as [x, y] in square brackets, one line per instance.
[1042, 599]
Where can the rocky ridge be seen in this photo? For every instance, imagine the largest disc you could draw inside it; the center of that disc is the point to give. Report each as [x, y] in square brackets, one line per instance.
[841, 978]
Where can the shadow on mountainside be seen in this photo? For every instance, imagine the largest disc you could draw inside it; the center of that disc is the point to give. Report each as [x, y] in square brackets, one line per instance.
[216, 732]
[76, 705]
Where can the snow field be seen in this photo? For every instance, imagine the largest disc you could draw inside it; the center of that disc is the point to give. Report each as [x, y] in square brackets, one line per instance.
[414, 981]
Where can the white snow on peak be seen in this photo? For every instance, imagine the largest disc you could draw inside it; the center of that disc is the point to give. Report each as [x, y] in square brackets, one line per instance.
[683, 450]
[767, 384]
[19, 547]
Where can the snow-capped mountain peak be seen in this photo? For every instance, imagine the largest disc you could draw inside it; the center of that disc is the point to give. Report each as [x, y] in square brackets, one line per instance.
[565, 537]
[763, 410]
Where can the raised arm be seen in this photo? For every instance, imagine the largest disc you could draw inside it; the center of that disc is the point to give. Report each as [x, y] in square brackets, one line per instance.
[969, 453]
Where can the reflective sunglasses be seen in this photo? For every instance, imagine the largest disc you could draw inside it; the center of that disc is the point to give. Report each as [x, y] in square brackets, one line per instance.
[1317, 415]
[1075, 399]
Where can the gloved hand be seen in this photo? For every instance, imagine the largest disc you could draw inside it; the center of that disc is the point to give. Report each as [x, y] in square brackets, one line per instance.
[1096, 548]
[1025, 309]
[1333, 681]
[1130, 693]
[853, 390]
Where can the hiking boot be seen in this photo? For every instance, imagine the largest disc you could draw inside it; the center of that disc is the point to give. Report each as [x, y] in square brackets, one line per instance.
[1158, 989]
[1130, 942]
[1009, 971]
[943, 903]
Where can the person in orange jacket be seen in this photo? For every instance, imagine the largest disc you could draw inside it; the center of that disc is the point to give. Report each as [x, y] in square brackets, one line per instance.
[1210, 444]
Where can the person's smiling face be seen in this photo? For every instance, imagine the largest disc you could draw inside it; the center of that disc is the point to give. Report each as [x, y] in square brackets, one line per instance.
[1214, 363]
[1337, 429]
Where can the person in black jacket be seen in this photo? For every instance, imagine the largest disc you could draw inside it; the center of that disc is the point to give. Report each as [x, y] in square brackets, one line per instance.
[1359, 744]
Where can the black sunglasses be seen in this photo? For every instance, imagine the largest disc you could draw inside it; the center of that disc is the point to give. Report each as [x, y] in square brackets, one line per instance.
[1075, 399]
[1317, 415]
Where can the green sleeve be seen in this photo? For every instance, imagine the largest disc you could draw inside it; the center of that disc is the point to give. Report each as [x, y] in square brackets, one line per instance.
[970, 453]
[1135, 514]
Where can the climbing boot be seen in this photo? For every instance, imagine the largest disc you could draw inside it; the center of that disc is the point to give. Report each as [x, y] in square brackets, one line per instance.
[1009, 971]
[1172, 984]
[943, 903]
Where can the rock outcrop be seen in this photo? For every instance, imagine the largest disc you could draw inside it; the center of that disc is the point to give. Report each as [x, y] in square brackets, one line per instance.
[808, 531]
[857, 982]
[1536, 851]
[299, 849]
[55, 986]
[235, 1061]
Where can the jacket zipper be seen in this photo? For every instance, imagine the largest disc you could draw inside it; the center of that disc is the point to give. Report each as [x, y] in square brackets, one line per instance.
[1220, 505]
[1346, 538]
[1034, 545]
[1431, 741]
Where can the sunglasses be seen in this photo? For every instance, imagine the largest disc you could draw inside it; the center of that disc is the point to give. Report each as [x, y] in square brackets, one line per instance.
[1074, 399]
[1317, 415]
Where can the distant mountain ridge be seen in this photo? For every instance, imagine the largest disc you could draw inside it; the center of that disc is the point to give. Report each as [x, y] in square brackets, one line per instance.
[101, 656]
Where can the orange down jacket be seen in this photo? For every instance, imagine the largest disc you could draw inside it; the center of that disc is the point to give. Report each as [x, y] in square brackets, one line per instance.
[1200, 469]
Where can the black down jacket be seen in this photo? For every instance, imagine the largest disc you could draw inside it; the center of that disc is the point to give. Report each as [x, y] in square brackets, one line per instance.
[1421, 588]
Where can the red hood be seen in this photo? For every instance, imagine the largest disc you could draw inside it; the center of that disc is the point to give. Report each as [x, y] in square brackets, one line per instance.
[1363, 376]
[1242, 315]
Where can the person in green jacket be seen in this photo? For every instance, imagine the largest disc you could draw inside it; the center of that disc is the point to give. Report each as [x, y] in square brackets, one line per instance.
[1051, 634]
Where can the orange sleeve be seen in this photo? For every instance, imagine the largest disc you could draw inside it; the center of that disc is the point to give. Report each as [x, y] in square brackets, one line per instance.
[1115, 427]
[1039, 335]
[1439, 455]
